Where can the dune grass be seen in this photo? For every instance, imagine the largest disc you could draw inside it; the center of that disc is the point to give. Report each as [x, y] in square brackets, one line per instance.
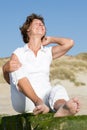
[2, 62]
[67, 67]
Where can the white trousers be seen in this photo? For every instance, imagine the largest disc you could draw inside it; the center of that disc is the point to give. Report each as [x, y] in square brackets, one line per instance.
[23, 104]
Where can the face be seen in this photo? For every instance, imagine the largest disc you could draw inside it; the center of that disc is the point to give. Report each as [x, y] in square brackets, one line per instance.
[37, 28]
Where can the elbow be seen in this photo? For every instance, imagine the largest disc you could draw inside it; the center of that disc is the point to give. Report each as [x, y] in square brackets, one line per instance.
[71, 43]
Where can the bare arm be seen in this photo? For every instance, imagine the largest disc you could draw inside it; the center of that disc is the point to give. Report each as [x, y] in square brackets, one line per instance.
[5, 72]
[10, 66]
[63, 45]
[26, 88]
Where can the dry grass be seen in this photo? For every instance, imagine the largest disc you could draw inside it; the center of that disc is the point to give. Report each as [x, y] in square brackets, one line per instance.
[82, 56]
[67, 67]
[2, 62]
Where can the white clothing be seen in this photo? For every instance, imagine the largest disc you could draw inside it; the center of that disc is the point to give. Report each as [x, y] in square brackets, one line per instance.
[36, 69]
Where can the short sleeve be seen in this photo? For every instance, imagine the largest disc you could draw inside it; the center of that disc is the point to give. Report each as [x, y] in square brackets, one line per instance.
[19, 53]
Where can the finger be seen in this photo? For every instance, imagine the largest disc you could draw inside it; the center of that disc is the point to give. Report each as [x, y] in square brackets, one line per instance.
[37, 111]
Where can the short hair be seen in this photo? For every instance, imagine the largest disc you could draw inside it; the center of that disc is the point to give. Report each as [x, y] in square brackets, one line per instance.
[27, 24]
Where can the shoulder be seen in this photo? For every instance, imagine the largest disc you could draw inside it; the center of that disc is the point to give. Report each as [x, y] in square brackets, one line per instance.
[19, 52]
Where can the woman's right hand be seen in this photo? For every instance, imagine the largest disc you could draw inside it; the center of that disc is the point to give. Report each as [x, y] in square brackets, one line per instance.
[42, 108]
[13, 64]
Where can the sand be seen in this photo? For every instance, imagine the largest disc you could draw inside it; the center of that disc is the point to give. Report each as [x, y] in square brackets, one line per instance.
[5, 100]
[73, 91]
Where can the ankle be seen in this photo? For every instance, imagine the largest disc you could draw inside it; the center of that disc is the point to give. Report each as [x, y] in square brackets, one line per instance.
[59, 103]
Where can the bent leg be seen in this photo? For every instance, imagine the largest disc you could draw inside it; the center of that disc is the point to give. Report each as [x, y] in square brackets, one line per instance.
[57, 96]
[20, 102]
[60, 102]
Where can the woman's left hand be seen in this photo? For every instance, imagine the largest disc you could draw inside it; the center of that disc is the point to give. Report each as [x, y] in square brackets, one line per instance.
[46, 41]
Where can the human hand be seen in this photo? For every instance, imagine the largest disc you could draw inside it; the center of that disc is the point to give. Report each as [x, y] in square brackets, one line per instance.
[13, 64]
[41, 109]
[46, 41]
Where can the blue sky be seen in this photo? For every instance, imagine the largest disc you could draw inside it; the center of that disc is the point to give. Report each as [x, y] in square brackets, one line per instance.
[63, 18]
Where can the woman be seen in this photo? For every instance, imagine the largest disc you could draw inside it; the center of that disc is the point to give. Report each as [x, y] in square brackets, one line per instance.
[28, 70]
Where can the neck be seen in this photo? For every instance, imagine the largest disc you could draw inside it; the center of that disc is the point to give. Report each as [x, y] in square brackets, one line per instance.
[34, 45]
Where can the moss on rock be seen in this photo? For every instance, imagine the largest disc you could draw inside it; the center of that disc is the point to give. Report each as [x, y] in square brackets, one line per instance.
[43, 122]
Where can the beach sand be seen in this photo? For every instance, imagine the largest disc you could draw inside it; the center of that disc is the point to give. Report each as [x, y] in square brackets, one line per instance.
[73, 91]
[5, 100]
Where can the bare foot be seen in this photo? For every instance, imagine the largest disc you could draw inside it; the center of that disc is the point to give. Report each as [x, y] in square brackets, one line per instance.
[71, 107]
